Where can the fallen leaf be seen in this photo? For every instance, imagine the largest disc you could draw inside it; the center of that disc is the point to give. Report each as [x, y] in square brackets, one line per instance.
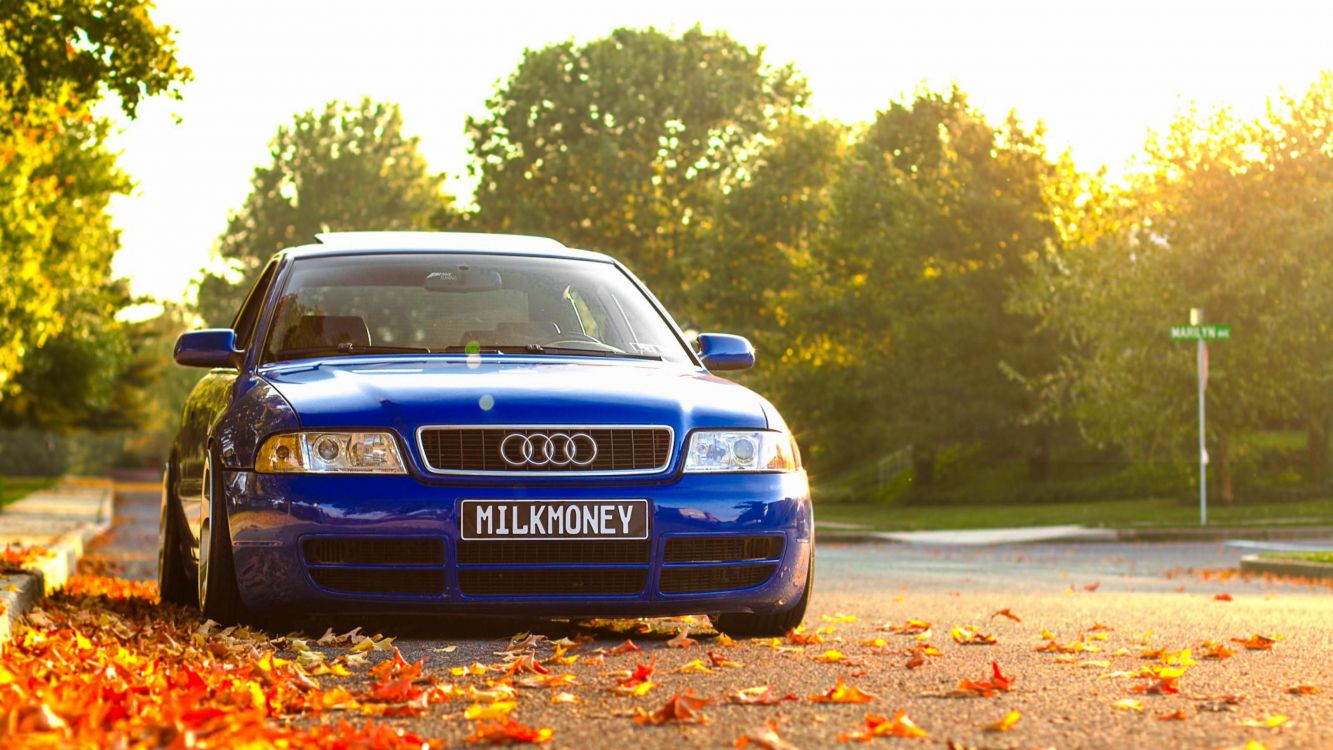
[682, 640]
[1304, 690]
[678, 708]
[1214, 650]
[1224, 597]
[911, 627]
[764, 738]
[1257, 642]
[1006, 723]
[1006, 612]
[843, 693]
[879, 726]
[695, 666]
[985, 687]
[564, 697]
[830, 656]
[971, 637]
[1177, 715]
[720, 660]
[1271, 721]
[623, 648]
[839, 617]
[508, 732]
[1128, 704]
[493, 711]
[758, 696]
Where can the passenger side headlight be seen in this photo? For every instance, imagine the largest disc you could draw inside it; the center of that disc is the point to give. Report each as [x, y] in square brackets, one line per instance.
[741, 450]
[330, 453]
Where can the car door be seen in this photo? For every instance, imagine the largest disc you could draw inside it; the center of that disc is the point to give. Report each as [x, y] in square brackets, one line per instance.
[211, 397]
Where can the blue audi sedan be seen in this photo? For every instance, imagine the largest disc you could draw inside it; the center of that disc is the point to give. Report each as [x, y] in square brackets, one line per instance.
[470, 424]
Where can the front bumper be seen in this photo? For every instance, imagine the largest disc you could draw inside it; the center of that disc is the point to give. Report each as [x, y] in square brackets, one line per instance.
[274, 517]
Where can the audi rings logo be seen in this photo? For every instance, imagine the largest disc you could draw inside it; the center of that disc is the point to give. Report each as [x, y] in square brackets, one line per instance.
[558, 449]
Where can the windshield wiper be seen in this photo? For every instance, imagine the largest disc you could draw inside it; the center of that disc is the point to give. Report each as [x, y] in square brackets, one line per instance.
[550, 351]
[349, 348]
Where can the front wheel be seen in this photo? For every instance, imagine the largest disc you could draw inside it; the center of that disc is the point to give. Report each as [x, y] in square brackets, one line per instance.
[219, 596]
[747, 625]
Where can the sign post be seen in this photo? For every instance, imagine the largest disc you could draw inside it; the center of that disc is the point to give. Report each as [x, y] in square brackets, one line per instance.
[1201, 333]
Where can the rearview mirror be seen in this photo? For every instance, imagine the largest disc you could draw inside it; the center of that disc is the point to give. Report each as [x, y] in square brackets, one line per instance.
[211, 347]
[464, 279]
[722, 351]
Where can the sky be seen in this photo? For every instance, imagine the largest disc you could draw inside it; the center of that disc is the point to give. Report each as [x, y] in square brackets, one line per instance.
[1100, 76]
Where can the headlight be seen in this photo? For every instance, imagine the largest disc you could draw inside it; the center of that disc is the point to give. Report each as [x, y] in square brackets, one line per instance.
[330, 453]
[741, 450]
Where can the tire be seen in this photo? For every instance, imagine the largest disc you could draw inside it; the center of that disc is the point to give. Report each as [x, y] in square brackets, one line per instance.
[173, 581]
[747, 625]
[219, 596]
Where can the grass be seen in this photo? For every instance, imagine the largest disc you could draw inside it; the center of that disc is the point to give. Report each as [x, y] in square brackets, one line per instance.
[1314, 557]
[1144, 512]
[13, 488]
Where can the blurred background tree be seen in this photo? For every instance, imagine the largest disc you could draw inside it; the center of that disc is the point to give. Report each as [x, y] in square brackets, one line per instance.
[628, 144]
[348, 167]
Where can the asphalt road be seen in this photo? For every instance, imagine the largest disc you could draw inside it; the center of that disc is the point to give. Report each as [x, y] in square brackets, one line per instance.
[1141, 597]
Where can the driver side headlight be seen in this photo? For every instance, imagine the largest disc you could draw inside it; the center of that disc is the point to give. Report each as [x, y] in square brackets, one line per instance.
[330, 453]
[713, 451]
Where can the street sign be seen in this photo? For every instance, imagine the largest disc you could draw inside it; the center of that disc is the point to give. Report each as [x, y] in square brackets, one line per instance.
[1196, 331]
[1200, 333]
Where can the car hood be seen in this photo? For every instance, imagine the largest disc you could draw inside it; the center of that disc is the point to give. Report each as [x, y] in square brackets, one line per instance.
[406, 394]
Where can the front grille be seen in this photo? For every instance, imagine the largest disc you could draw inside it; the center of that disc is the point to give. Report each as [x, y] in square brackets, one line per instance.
[477, 449]
[354, 551]
[534, 552]
[553, 582]
[380, 581]
[723, 549]
[710, 578]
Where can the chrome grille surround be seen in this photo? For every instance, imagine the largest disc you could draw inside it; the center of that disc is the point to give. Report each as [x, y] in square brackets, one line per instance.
[624, 429]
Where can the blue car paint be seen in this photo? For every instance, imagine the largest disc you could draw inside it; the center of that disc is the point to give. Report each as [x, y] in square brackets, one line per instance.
[231, 411]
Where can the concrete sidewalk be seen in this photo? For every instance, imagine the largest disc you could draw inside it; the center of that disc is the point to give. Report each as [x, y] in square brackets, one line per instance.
[61, 520]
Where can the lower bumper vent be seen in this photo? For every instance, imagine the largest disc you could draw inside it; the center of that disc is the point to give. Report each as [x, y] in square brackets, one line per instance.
[722, 548]
[424, 582]
[553, 582]
[355, 551]
[693, 580]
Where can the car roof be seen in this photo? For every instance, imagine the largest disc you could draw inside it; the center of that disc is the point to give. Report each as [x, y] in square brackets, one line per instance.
[375, 243]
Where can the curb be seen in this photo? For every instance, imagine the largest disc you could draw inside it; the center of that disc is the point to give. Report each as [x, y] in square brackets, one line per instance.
[1293, 568]
[20, 591]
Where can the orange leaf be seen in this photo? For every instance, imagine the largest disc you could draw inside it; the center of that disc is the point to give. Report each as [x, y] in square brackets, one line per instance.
[1223, 597]
[1006, 612]
[1176, 715]
[719, 660]
[1303, 689]
[843, 693]
[1257, 642]
[623, 648]
[682, 708]
[508, 732]
[682, 640]
[878, 726]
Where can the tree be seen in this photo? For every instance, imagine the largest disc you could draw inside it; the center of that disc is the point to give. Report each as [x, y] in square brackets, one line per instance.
[937, 217]
[1230, 217]
[349, 167]
[627, 144]
[57, 59]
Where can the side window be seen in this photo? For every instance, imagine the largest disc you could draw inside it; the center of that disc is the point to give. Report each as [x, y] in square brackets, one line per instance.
[244, 325]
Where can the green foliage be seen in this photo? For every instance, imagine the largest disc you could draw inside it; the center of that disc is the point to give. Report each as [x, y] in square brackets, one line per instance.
[57, 58]
[936, 217]
[348, 167]
[1234, 218]
[628, 144]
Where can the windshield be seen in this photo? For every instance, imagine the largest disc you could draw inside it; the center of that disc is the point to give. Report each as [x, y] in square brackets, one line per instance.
[466, 303]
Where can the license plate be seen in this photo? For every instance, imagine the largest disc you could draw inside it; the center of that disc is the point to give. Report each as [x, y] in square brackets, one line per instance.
[554, 519]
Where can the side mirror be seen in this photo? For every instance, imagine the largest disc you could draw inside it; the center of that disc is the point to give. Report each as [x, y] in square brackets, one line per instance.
[211, 347]
[722, 351]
